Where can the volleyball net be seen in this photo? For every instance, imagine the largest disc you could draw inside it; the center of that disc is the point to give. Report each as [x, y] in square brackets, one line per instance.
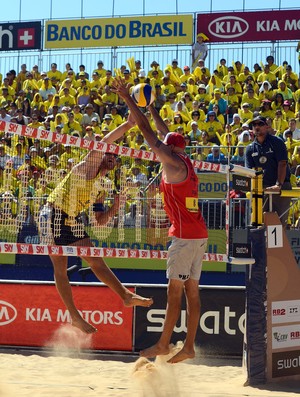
[133, 222]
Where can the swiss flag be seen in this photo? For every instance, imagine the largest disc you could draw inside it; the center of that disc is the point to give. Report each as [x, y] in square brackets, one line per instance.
[26, 37]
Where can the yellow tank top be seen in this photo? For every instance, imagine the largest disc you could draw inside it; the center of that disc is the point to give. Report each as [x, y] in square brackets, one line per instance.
[74, 194]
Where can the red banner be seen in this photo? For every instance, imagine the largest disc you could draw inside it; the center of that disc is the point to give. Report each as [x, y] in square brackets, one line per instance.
[33, 315]
[250, 26]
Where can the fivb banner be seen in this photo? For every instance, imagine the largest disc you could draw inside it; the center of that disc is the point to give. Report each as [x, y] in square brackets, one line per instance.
[250, 26]
[110, 32]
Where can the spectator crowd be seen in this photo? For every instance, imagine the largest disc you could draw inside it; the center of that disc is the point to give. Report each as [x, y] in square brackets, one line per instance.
[211, 108]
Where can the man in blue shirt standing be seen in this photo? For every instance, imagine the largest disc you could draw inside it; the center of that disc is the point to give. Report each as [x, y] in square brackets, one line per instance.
[269, 153]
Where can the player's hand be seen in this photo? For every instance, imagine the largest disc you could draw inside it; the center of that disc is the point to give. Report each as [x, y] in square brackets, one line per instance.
[120, 87]
[274, 188]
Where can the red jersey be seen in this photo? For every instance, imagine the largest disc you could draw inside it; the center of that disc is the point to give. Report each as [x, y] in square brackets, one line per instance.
[181, 204]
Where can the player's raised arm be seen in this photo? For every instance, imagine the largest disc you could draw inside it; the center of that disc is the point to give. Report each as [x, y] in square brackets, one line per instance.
[163, 151]
[158, 121]
[90, 164]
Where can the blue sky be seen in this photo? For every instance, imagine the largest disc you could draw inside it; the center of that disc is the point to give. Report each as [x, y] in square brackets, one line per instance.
[59, 9]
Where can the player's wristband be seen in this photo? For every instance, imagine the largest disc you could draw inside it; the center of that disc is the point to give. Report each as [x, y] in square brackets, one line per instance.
[98, 207]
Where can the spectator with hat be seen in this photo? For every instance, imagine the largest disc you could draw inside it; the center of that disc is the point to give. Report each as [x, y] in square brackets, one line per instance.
[186, 74]
[202, 96]
[199, 48]
[213, 127]
[284, 91]
[155, 68]
[245, 113]
[88, 114]
[287, 112]
[68, 83]
[221, 102]
[108, 122]
[176, 69]
[46, 88]
[37, 161]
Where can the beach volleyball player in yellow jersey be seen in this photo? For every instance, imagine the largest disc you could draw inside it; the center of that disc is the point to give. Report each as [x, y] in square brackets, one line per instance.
[60, 224]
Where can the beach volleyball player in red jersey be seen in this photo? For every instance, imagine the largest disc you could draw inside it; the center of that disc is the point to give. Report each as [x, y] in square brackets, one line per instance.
[179, 187]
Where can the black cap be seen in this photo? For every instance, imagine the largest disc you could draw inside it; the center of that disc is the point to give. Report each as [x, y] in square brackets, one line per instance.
[260, 119]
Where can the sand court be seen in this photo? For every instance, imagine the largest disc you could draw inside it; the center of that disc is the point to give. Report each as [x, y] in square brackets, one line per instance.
[40, 376]
[65, 368]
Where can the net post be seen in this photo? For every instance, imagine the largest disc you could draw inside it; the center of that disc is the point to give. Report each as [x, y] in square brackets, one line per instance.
[254, 350]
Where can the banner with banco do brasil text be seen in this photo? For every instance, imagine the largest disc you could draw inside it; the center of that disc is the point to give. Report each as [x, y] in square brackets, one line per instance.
[127, 31]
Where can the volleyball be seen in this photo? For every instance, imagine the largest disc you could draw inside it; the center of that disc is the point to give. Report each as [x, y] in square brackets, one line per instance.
[143, 94]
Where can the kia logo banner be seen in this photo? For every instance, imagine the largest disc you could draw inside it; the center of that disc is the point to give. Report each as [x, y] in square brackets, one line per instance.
[250, 26]
[20, 36]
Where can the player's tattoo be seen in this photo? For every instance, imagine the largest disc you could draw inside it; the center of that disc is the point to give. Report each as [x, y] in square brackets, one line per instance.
[158, 143]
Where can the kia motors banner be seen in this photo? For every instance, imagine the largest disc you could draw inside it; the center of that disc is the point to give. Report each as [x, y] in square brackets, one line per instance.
[221, 326]
[125, 31]
[33, 315]
[20, 36]
[250, 26]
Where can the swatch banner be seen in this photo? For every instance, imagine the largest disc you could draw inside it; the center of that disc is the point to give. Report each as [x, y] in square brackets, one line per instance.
[33, 315]
[250, 26]
[221, 325]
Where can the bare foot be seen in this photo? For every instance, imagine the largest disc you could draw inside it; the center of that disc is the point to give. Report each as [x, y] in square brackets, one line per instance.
[137, 300]
[182, 355]
[155, 350]
[83, 325]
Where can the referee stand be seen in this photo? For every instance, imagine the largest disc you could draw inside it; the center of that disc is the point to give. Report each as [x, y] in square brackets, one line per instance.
[272, 339]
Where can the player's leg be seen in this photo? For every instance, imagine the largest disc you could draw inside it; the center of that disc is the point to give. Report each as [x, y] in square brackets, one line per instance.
[105, 274]
[64, 289]
[191, 288]
[175, 290]
[193, 316]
